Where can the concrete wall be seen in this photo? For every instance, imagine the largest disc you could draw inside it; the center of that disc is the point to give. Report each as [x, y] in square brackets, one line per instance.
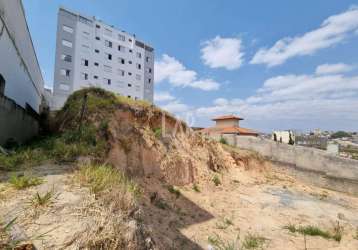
[15, 123]
[337, 173]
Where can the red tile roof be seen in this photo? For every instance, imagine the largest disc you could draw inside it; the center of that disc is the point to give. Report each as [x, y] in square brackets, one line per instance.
[227, 117]
[229, 130]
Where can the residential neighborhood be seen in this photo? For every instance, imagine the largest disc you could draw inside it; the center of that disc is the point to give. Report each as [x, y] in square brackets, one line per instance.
[218, 125]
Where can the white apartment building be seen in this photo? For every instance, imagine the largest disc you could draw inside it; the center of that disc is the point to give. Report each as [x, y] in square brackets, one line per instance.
[92, 53]
[21, 83]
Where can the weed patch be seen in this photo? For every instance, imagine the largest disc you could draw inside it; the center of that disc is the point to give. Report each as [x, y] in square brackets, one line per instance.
[39, 200]
[22, 182]
[174, 191]
[196, 188]
[253, 241]
[316, 231]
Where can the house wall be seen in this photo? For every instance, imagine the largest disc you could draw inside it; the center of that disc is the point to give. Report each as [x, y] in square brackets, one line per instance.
[318, 166]
[227, 123]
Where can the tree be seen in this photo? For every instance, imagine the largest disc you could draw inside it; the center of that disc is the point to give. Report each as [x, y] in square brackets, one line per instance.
[291, 141]
[340, 134]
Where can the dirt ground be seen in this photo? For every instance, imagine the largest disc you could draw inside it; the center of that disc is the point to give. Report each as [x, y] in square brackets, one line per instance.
[247, 201]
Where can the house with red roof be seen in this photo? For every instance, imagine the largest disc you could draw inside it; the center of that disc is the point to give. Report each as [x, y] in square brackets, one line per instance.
[228, 125]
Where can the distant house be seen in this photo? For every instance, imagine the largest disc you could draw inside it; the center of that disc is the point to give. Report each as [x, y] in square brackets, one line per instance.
[228, 125]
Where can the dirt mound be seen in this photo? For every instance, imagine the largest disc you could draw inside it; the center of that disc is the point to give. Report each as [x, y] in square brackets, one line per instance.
[143, 140]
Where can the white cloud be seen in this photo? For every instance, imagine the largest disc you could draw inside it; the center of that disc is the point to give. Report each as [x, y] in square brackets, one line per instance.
[170, 69]
[175, 107]
[332, 31]
[223, 53]
[297, 101]
[326, 69]
[163, 96]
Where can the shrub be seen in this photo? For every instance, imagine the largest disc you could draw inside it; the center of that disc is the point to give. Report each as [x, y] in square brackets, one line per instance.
[22, 182]
[157, 132]
[220, 244]
[42, 200]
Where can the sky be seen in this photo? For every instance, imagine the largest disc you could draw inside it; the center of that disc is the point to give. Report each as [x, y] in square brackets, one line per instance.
[278, 64]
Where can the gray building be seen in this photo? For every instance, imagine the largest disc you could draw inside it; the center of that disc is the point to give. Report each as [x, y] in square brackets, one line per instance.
[21, 83]
[92, 53]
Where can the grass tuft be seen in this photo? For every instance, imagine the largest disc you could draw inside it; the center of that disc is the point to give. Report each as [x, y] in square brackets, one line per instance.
[219, 244]
[196, 188]
[103, 177]
[174, 191]
[253, 241]
[223, 141]
[216, 180]
[157, 132]
[39, 200]
[22, 182]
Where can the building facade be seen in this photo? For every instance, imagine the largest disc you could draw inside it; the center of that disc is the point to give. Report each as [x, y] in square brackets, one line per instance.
[90, 53]
[21, 82]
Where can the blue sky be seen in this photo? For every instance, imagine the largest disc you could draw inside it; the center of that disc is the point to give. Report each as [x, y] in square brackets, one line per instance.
[279, 64]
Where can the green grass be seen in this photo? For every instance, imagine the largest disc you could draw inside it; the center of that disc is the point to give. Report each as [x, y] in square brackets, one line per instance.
[39, 200]
[103, 177]
[22, 182]
[216, 180]
[316, 231]
[219, 244]
[6, 242]
[223, 141]
[196, 188]
[174, 191]
[224, 223]
[253, 241]
[157, 132]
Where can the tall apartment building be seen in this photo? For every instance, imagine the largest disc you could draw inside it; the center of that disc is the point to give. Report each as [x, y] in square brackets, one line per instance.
[92, 53]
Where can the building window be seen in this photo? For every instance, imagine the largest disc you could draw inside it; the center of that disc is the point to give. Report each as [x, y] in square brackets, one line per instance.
[97, 26]
[121, 37]
[109, 56]
[149, 70]
[85, 21]
[149, 80]
[66, 58]
[107, 68]
[67, 43]
[121, 48]
[2, 85]
[130, 40]
[129, 85]
[121, 60]
[138, 77]
[147, 59]
[129, 73]
[96, 64]
[130, 51]
[84, 76]
[107, 81]
[96, 50]
[95, 77]
[84, 62]
[67, 29]
[98, 38]
[130, 62]
[108, 44]
[139, 66]
[65, 72]
[139, 55]
[121, 72]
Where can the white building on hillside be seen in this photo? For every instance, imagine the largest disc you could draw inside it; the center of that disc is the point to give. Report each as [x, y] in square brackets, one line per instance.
[286, 136]
[92, 53]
